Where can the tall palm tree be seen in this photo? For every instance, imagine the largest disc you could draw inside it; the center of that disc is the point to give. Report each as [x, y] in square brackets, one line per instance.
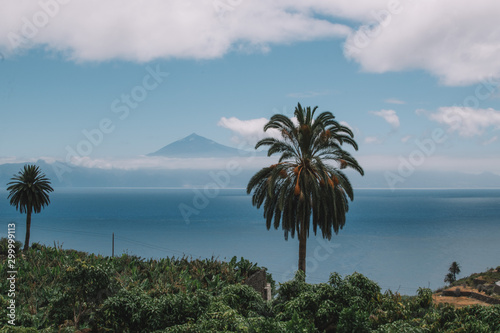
[29, 193]
[302, 185]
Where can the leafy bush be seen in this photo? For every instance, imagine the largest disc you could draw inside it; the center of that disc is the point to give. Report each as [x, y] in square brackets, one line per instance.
[65, 290]
[4, 246]
[342, 303]
[424, 298]
[353, 319]
[244, 299]
[14, 329]
[400, 326]
[128, 310]
[85, 287]
[37, 246]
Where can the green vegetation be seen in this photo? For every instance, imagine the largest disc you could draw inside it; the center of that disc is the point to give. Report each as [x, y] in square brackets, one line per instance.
[483, 282]
[302, 186]
[490, 276]
[66, 291]
[29, 192]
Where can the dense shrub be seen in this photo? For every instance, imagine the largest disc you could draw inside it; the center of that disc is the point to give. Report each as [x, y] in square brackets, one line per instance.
[344, 304]
[244, 299]
[83, 288]
[67, 291]
[400, 326]
[4, 246]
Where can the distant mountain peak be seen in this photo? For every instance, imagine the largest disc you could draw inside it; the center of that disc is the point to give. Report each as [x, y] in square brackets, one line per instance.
[195, 145]
[193, 136]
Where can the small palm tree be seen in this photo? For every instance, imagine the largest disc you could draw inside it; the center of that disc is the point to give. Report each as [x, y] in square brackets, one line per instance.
[29, 193]
[302, 186]
[449, 278]
[454, 270]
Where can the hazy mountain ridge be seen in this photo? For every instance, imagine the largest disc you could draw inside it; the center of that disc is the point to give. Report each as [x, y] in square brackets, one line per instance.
[198, 147]
[424, 179]
[93, 177]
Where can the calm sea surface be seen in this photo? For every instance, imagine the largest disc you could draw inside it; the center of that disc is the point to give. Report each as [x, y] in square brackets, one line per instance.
[402, 239]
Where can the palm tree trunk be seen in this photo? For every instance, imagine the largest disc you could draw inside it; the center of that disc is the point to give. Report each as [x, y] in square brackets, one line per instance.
[28, 227]
[302, 249]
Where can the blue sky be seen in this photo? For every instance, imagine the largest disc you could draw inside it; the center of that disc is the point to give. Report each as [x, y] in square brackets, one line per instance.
[395, 71]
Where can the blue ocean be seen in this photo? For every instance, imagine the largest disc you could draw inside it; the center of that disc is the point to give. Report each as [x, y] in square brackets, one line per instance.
[402, 239]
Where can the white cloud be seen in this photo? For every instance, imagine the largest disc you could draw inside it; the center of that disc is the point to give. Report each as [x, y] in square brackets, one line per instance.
[154, 162]
[453, 39]
[490, 141]
[372, 139]
[420, 112]
[247, 131]
[456, 40]
[95, 30]
[389, 116]
[346, 124]
[166, 163]
[468, 122]
[432, 163]
[308, 94]
[405, 138]
[369, 162]
[394, 101]
[11, 159]
[17, 159]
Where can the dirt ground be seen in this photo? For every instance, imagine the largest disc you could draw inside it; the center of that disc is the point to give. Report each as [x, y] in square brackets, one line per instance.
[458, 301]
